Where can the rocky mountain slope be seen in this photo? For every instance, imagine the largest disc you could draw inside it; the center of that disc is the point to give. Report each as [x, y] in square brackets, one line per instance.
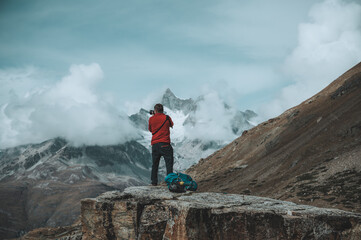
[42, 184]
[310, 154]
[185, 114]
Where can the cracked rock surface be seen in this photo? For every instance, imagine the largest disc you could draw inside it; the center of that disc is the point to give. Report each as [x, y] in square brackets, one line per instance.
[155, 213]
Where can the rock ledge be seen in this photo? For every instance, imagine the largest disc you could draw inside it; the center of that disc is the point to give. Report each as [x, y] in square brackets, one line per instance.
[156, 213]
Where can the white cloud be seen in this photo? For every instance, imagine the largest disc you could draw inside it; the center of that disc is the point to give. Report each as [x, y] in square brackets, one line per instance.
[14, 81]
[71, 108]
[78, 87]
[212, 120]
[328, 45]
[147, 102]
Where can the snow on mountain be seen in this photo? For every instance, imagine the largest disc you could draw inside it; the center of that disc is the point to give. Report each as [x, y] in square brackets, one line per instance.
[56, 160]
[201, 126]
[170, 101]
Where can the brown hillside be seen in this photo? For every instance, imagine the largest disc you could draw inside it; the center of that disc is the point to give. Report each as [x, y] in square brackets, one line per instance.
[309, 154]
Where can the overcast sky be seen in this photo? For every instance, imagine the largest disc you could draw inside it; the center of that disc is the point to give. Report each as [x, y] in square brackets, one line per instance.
[261, 55]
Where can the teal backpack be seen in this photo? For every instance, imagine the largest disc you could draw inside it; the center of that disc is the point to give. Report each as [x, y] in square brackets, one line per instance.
[180, 182]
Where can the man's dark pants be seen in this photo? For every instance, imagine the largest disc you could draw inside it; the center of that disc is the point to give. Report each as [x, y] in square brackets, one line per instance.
[159, 150]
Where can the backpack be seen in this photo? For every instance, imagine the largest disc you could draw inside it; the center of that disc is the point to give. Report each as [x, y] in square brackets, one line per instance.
[180, 182]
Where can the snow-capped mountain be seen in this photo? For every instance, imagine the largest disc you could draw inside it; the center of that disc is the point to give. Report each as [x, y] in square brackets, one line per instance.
[173, 103]
[42, 184]
[50, 159]
[198, 131]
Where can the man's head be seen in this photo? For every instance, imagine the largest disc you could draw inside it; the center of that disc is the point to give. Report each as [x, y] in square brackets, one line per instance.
[158, 108]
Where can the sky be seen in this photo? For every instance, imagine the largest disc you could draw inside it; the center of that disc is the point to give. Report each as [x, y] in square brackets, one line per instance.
[71, 68]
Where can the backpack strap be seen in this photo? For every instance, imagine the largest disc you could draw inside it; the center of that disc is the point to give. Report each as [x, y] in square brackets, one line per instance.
[166, 119]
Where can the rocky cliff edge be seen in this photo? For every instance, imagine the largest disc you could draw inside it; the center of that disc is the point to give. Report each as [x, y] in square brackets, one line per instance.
[155, 213]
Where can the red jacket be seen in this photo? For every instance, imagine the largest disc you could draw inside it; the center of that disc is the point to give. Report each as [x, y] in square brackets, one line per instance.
[155, 122]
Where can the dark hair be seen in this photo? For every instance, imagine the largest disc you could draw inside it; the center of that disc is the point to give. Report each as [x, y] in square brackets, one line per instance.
[158, 107]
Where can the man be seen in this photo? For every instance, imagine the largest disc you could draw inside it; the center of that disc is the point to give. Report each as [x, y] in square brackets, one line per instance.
[159, 125]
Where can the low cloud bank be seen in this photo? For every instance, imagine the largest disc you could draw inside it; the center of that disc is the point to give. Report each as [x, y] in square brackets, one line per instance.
[71, 108]
[328, 45]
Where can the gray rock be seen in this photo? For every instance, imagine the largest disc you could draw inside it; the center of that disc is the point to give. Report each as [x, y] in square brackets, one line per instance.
[170, 101]
[155, 213]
